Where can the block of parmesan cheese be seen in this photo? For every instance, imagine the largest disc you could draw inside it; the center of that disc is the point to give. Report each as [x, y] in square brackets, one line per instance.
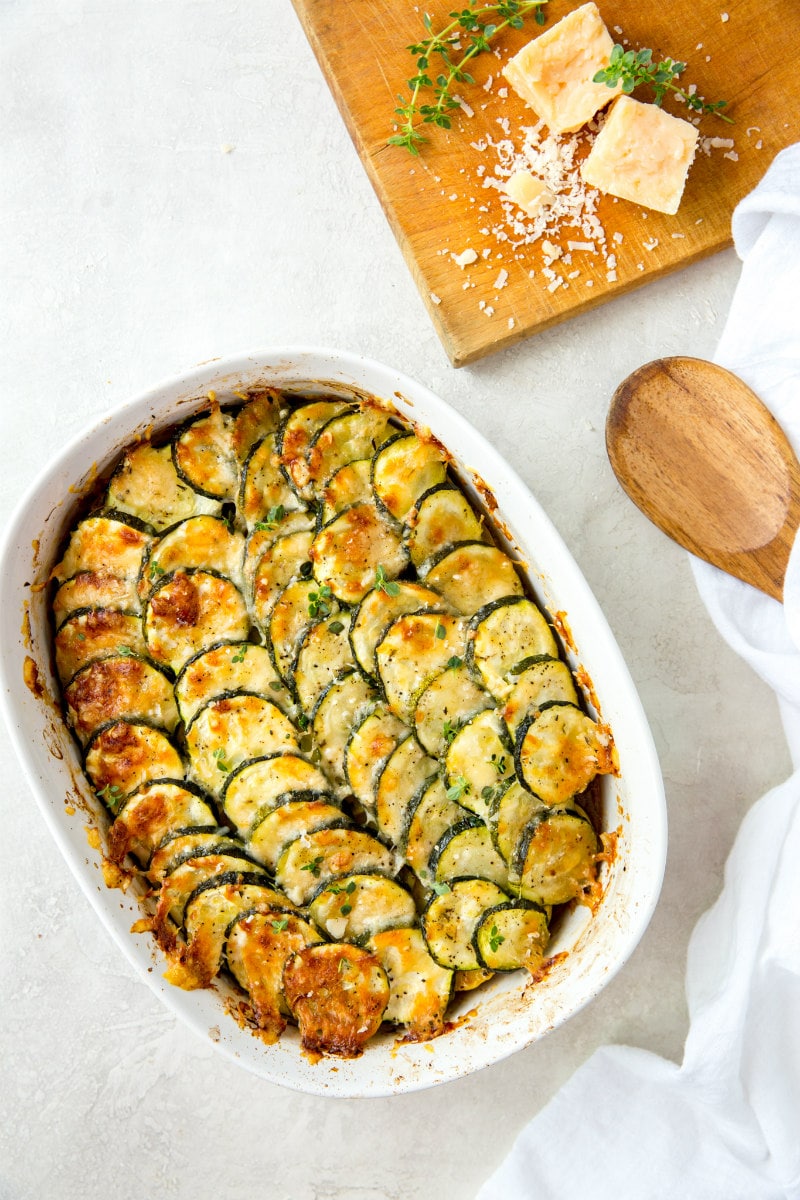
[554, 72]
[642, 154]
[528, 193]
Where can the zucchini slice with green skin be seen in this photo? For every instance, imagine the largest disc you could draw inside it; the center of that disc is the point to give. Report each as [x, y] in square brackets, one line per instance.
[337, 994]
[355, 907]
[540, 683]
[296, 434]
[441, 519]
[555, 859]
[123, 755]
[404, 469]
[205, 542]
[378, 609]
[204, 456]
[277, 567]
[231, 729]
[405, 771]
[183, 880]
[94, 589]
[260, 415]
[558, 752]
[119, 686]
[472, 575]
[343, 439]
[414, 648]
[449, 921]
[264, 489]
[420, 989]
[257, 948]
[351, 484]
[323, 653]
[428, 816]
[228, 667]
[88, 635]
[260, 784]
[265, 533]
[372, 741]
[504, 634]
[336, 713]
[289, 620]
[465, 850]
[147, 486]
[316, 858]
[511, 811]
[479, 758]
[105, 542]
[445, 704]
[348, 551]
[270, 836]
[512, 935]
[191, 611]
[153, 812]
[180, 845]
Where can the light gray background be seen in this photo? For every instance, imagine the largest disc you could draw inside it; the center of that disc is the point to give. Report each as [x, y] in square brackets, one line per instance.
[177, 185]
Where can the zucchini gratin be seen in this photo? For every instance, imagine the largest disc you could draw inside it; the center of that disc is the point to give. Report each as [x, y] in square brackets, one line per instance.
[334, 732]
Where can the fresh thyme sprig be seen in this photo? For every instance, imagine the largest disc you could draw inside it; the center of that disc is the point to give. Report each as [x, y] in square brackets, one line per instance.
[633, 68]
[477, 27]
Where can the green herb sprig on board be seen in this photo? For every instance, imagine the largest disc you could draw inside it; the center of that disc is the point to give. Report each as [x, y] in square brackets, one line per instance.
[634, 68]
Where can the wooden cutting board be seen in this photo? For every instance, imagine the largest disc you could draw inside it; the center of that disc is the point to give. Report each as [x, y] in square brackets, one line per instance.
[438, 206]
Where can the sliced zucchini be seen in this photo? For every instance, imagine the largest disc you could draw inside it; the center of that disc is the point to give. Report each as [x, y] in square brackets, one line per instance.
[449, 921]
[405, 771]
[446, 703]
[231, 729]
[420, 989]
[372, 741]
[323, 653]
[278, 565]
[465, 850]
[351, 484]
[204, 456]
[151, 813]
[504, 634]
[355, 907]
[336, 713]
[540, 683]
[229, 667]
[429, 815]
[441, 519]
[472, 575]
[348, 551]
[479, 758]
[290, 618]
[147, 486]
[119, 686]
[123, 755]
[205, 542]
[337, 994]
[260, 784]
[343, 439]
[512, 935]
[106, 542]
[264, 490]
[295, 436]
[404, 469]
[379, 607]
[270, 836]
[183, 880]
[467, 981]
[88, 635]
[555, 859]
[193, 842]
[559, 751]
[265, 532]
[94, 589]
[511, 811]
[316, 858]
[257, 947]
[260, 415]
[414, 648]
[189, 612]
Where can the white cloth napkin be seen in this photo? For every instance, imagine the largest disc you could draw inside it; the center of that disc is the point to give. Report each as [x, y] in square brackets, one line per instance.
[725, 1125]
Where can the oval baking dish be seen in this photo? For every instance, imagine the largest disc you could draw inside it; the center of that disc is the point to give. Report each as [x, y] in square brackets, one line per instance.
[588, 945]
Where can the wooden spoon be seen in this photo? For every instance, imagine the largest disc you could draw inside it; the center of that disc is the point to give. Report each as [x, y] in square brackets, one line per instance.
[700, 455]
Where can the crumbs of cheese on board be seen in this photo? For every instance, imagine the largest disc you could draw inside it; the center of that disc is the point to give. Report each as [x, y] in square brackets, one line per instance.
[465, 258]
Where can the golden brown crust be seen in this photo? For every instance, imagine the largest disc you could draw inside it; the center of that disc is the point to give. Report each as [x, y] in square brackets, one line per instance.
[338, 995]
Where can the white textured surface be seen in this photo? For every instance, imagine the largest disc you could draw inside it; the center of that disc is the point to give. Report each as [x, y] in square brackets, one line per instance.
[132, 246]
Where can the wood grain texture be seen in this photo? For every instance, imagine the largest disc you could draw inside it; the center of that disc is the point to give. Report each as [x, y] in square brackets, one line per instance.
[700, 455]
[433, 203]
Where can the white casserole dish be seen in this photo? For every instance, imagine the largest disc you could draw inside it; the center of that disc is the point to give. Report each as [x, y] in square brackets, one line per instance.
[509, 1012]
